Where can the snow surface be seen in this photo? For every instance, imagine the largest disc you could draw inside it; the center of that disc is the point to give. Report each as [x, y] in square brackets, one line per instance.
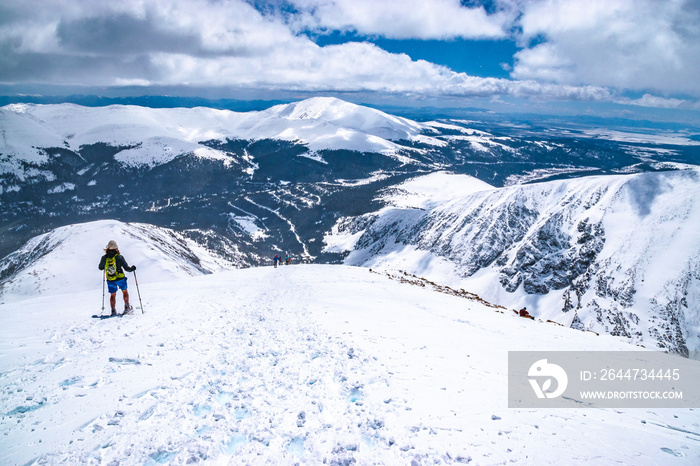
[309, 364]
[428, 190]
[668, 137]
[541, 173]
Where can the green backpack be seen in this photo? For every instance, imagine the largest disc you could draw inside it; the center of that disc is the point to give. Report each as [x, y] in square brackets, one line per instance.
[111, 269]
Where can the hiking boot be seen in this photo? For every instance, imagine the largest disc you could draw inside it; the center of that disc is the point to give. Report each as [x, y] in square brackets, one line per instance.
[114, 312]
[128, 309]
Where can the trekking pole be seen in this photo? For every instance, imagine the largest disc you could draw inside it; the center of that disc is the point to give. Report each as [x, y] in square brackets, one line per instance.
[138, 291]
[103, 291]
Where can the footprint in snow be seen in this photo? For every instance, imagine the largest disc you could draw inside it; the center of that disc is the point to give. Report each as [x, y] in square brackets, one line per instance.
[125, 361]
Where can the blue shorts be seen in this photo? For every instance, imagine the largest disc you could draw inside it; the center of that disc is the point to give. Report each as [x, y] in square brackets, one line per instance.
[114, 285]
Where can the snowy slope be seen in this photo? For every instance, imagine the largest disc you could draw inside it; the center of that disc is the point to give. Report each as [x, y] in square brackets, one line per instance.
[345, 115]
[308, 364]
[616, 254]
[65, 260]
[427, 191]
[150, 136]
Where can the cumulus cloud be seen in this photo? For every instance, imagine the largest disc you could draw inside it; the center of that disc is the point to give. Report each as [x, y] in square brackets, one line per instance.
[353, 66]
[648, 100]
[94, 42]
[231, 43]
[260, 44]
[406, 19]
[622, 44]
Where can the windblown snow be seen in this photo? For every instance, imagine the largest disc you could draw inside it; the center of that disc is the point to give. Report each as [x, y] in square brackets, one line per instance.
[300, 364]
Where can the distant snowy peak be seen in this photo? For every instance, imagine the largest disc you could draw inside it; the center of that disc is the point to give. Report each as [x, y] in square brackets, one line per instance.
[330, 123]
[351, 116]
[318, 108]
[65, 259]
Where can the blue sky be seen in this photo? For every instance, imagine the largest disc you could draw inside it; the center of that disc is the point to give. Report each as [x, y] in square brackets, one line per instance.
[483, 58]
[623, 57]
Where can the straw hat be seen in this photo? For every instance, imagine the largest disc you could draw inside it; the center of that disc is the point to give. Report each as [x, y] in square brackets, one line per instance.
[112, 245]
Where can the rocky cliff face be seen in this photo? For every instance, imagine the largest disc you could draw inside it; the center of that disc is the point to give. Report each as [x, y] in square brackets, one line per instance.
[615, 254]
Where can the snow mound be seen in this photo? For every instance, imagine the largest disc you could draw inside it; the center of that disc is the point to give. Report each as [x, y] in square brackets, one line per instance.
[65, 260]
[432, 189]
[354, 117]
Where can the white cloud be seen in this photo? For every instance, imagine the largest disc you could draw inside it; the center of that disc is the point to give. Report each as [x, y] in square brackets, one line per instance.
[230, 43]
[405, 19]
[353, 66]
[590, 46]
[648, 100]
[226, 27]
[120, 82]
[229, 26]
[623, 44]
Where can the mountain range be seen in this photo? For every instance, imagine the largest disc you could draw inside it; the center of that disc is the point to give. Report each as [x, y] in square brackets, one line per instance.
[614, 254]
[587, 226]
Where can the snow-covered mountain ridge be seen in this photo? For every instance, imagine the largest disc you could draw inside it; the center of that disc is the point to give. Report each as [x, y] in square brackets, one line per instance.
[144, 137]
[615, 254]
[149, 137]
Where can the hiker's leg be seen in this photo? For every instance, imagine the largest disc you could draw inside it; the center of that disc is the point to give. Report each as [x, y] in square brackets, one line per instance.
[113, 300]
[126, 296]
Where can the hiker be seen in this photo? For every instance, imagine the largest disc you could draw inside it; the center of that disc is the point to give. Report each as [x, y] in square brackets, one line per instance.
[276, 259]
[288, 260]
[114, 266]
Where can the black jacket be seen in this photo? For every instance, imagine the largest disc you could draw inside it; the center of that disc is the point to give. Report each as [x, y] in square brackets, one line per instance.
[121, 264]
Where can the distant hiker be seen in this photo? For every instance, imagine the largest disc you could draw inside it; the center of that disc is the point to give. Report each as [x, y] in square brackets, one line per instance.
[276, 259]
[114, 266]
[287, 260]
